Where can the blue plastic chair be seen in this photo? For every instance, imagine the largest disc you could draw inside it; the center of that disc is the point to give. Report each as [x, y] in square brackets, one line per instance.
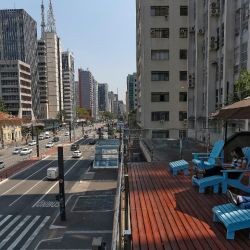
[207, 160]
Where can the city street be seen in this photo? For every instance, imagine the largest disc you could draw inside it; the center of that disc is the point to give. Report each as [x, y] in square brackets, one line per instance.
[28, 203]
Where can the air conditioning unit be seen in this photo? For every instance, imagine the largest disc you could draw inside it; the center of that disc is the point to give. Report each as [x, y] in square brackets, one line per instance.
[182, 31]
[192, 29]
[214, 5]
[166, 17]
[201, 32]
[215, 12]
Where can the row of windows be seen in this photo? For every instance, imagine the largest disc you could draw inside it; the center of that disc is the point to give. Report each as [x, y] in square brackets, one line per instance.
[163, 54]
[164, 10]
[164, 32]
[164, 75]
[9, 82]
[164, 116]
[165, 134]
[8, 74]
[10, 90]
[164, 96]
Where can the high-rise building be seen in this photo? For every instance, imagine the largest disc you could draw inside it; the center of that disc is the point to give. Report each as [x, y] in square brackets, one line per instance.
[162, 40]
[132, 92]
[43, 80]
[19, 42]
[103, 96]
[110, 101]
[218, 51]
[88, 92]
[76, 93]
[15, 88]
[69, 97]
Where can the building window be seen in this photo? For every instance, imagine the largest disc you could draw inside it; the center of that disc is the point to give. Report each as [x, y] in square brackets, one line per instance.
[159, 10]
[160, 134]
[182, 115]
[160, 54]
[183, 75]
[182, 134]
[183, 32]
[160, 97]
[159, 75]
[183, 10]
[160, 33]
[183, 96]
[183, 54]
[160, 116]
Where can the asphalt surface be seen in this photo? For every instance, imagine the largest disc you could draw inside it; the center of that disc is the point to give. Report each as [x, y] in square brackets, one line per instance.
[28, 204]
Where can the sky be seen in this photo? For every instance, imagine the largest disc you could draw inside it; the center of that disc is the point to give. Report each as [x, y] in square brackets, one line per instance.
[100, 33]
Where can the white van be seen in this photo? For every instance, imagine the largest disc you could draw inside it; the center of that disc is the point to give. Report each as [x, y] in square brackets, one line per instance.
[52, 173]
[46, 135]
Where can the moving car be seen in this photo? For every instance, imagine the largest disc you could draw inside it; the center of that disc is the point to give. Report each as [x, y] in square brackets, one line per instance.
[66, 133]
[55, 139]
[17, 150]
[52, 173]
[26, 151]
[2, 165]
[46, 135]
[77, 154]
[49, 145]
[32, 143]
[41, 137]
[74, 147]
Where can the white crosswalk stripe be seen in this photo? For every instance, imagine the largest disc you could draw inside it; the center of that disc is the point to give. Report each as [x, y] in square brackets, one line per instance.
[18, 231]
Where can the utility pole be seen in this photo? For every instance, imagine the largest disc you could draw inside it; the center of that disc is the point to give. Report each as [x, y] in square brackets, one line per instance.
[32, 131]
[70, 131]
[82, 130]
[61, 184]
[37, 143]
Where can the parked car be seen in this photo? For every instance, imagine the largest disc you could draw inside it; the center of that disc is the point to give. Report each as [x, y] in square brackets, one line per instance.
[66, 133]
[2, 165]
[55, 139]
[74, 147]
[41, 137]
[32, 143]
[26, 151]
[77, 154]
[17, 150]
[49, 145]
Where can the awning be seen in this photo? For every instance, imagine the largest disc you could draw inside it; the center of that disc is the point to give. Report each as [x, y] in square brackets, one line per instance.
[237, 110]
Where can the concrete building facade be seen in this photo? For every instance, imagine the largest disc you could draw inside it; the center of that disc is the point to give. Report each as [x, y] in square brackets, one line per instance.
[131, 92]
[43, 79]
[69, 97]
[19, 42]
[162, 41]
[103, 96]
[88, 92]
[219, 40]
[54, 74]
[15, 88]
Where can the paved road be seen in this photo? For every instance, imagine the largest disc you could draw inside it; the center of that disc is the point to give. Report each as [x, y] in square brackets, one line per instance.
[28, 204]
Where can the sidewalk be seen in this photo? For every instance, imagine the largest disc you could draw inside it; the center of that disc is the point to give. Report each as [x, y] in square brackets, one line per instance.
[89, 212]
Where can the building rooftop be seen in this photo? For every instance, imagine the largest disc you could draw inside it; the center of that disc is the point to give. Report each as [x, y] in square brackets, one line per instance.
[168, 213]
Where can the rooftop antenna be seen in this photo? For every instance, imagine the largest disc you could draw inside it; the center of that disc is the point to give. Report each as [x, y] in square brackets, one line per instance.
[51, 22]
[43, 21]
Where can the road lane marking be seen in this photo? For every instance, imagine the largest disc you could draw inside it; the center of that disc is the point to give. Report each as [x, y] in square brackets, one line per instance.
[44, 203]
[10, 224]
[5, 219]
[24, 232]
[19, 183]
[55, 184]
[32, 237]
[8, 237]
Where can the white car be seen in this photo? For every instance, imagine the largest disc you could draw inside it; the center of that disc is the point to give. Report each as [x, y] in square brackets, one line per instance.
[2, 165]
[49, 145]
[26, 151]
[77, 154]
[32, 143]
[17, 150]
[66, 134]
[41, 137]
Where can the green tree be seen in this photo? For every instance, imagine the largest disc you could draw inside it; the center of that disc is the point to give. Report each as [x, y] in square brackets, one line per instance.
[61, 115]
[83, 113]
[3, 106]
[241, 87]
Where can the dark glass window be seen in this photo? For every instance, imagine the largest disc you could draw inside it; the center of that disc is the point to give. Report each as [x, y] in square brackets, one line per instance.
[182, 115]
[183, 54]
[160, 116]
[159, 10]
[159, 32]
[183, 96]
[159, 75]
[160, 97]
[183, 75]
[183, 10]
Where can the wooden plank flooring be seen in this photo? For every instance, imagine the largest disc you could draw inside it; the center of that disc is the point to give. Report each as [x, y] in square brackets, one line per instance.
[168, 213]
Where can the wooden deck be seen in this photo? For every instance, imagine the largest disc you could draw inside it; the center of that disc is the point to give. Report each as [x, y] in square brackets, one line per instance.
[166, 212]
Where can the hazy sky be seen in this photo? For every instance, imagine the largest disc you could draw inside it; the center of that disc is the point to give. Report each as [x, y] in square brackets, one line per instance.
[100, 33]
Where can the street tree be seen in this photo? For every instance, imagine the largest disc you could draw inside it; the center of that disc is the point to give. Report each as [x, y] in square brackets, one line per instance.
[2, 106]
